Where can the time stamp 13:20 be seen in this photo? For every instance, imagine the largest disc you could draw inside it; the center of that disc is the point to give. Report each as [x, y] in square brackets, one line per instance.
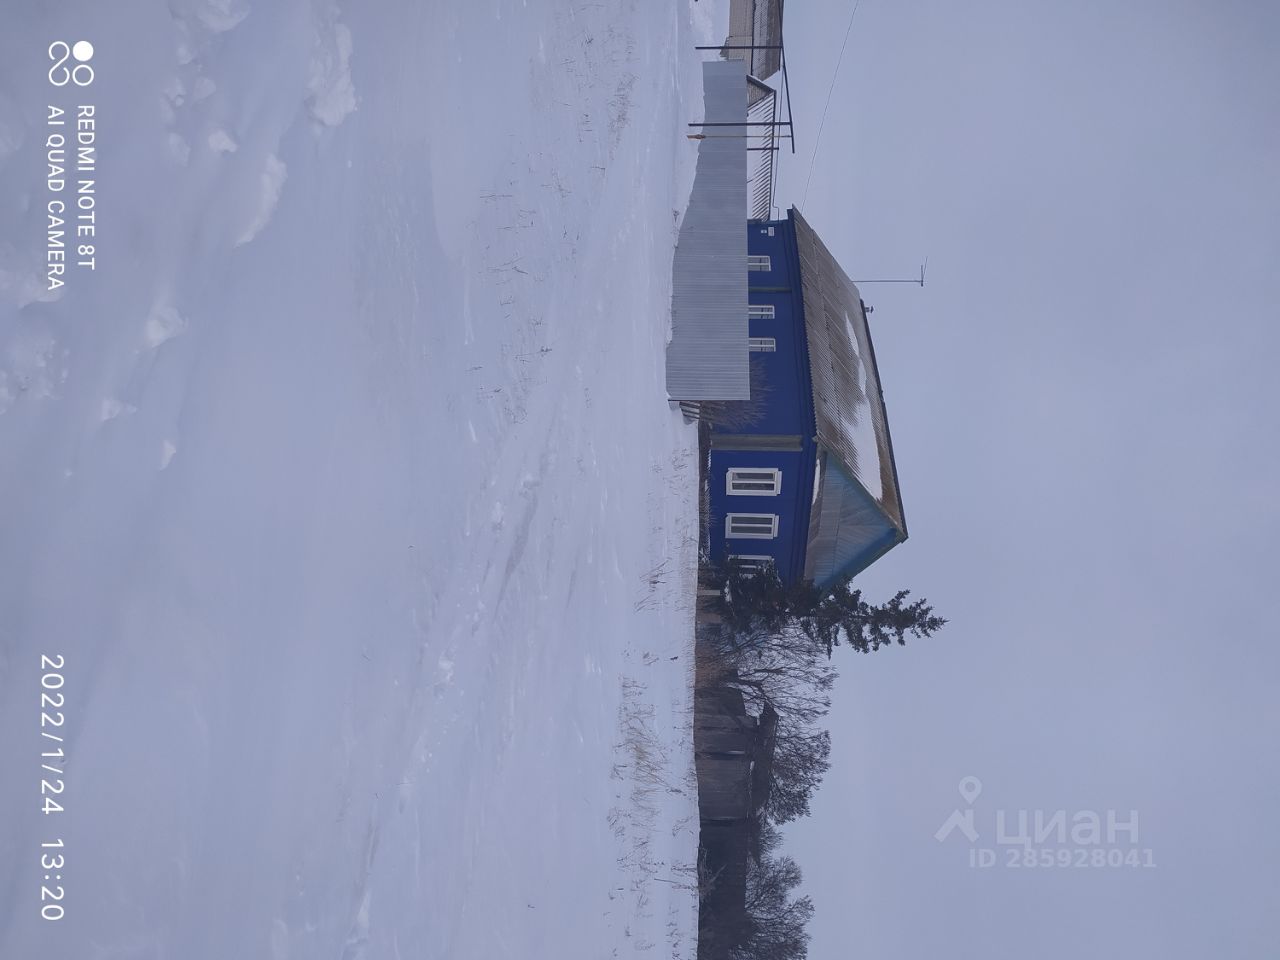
[52, 782]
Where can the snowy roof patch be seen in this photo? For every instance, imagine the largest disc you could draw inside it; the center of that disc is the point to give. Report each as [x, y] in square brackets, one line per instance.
[847, 400]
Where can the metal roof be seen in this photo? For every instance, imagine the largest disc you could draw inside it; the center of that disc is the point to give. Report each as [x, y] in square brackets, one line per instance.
[849, 414]
[708, 357]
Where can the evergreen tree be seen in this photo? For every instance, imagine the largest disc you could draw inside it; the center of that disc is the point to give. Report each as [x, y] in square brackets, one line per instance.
[760, 603]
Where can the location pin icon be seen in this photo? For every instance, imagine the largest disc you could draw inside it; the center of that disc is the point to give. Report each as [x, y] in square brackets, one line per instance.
[970, 787]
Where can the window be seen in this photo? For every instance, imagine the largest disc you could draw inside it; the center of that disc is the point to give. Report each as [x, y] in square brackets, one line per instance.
[751, 562]
[751, 526]
[755, 262]
[762, 344]
[754, 481]
[760, 311]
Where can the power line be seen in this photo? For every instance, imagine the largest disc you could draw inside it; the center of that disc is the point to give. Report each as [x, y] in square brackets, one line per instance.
[818, 140]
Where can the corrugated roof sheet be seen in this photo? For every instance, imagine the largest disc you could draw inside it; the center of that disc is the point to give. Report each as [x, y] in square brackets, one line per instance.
[848, 530]
[708, 357]
[849, 410]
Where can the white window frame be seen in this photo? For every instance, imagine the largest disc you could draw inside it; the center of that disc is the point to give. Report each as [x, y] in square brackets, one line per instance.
[736, 480]
[762, 345]
[758, 261]
[752, 563]
[761, 311]
[751, 529]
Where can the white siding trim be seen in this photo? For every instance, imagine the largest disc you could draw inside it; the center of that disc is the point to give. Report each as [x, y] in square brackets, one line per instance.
[753, 481]
[751, 562]
[751, 526]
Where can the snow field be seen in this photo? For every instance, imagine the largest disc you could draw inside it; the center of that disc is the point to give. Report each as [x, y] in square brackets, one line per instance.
[347, 487]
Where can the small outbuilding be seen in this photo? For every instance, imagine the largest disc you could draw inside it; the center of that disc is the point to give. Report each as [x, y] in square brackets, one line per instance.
[755, 35]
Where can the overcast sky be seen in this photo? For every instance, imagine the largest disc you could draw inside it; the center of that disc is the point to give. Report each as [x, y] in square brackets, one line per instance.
[1083, 408]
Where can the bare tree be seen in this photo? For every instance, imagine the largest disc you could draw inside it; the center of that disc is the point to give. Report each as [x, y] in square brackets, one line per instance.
[775, 648]
[800, 761]
[773, 926]
[788, 676]
[784, 670]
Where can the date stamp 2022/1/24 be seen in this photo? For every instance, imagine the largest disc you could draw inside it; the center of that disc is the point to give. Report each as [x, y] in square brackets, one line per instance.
[52, 781]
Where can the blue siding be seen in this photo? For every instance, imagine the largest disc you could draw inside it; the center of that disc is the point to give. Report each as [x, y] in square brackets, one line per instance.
[791, 505]
[789, 402]
[787, 411]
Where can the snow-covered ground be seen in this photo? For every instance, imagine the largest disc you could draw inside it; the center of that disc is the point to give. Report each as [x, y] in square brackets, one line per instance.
[346, 486]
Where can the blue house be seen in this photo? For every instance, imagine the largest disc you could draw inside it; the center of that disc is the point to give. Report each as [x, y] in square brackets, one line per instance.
[802, 475]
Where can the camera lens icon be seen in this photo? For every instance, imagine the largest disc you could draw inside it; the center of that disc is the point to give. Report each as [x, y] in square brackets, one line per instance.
[82, 51]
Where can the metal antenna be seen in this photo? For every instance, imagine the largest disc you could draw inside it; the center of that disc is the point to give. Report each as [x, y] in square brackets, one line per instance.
[919, 279]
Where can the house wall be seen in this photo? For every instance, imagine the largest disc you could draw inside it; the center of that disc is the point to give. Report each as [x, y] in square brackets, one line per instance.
[786, 411]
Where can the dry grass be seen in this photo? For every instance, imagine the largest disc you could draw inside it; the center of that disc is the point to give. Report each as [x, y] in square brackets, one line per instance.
[711, 669]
